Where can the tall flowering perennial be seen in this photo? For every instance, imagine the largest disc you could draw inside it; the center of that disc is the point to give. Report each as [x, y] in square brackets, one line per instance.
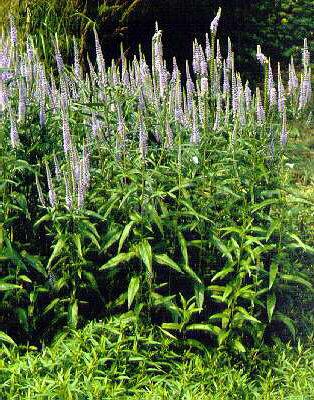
[108, 100]
[226, 83]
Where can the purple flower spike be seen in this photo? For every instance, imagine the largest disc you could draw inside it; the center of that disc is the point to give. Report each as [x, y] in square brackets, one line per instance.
[13, 32]
[40, 192]
[207, 48]
[260, 56]
[195, 137]
[15, 140]
[51, 193]
[284, 134]
[215, 22]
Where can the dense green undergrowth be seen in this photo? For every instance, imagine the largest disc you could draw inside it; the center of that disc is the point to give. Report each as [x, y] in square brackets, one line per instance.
[120, 359]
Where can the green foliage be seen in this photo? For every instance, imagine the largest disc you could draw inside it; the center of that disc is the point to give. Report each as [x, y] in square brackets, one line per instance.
[198, 234]
[122, 359]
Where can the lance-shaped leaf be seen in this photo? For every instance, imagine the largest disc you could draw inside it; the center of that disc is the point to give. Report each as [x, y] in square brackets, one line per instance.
[125, 234]
[145, 252]
[286, 320]
[271, 303]
[6, 338]
[133, 289]
[164, 259]
[186, 266]
[4, 286]
[120, 258]
[73, 314]
[272, 274]
[56, 251]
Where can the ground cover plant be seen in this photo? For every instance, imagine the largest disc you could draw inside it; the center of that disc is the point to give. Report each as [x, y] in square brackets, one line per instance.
[122, 359]
[127, 188]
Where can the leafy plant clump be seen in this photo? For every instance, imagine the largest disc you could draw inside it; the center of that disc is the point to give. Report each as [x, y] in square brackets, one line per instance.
[125, 187]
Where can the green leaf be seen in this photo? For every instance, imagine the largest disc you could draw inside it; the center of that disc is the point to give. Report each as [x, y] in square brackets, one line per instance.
[77, 242]
[164, 259]
[271, 303]
[22, 316]
[246, 314]
[35, 263]
[73, 314]
[237, 344]
[4, 286]
[287, 321]
[296, 279]
[120, 258]
[171, 326]
[145, 251]
[272, 274]
[112, 236]
[222, 247]
[56, 251]
[221, 274]
[6, 338]
[227, 293]
[203, 327]
[51, 305]
[91, 279]
[263, 204]
[125, 234]
[183, 248]
[46, 217]
[186, 266]
[133, 289]
[25, 278]
[199, 291]
[192, 274]
[222, 336]
[155, 218]
[300, 244]
[275, 225]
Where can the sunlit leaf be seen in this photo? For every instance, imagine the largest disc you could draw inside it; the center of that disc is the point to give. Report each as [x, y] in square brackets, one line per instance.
[133, 289]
